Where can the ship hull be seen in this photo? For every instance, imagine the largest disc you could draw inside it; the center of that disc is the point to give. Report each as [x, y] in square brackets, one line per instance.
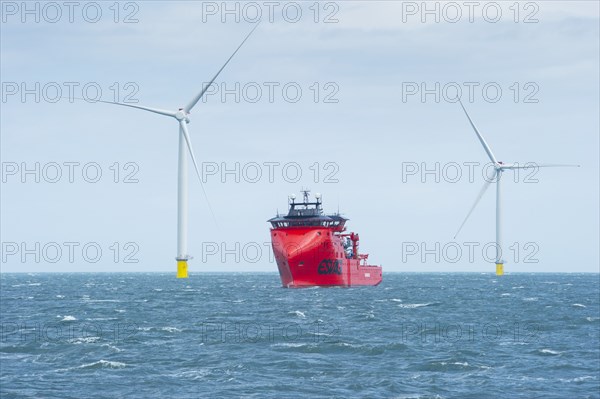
[309, 257]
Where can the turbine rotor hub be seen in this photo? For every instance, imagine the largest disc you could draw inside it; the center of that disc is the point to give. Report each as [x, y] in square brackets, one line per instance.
[181, 115]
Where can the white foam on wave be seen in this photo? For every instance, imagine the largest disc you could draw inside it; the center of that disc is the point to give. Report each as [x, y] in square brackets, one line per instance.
[505, 294]
[530, 299]
[112, 347]
[299, 314]
[170, 329]
[520, 287]
[585, 377]
[167, 329]
[396, 300]
[84, 340]
[414, 305]
[290, 345]
[578, 305]
[104, 364]
[60, 296]
[345, 344]
[550, 352]
[68, 318]
[578, 379]
[192, 374]
[465, 364]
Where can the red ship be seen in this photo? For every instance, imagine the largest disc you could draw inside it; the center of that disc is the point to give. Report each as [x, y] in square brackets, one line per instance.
[311, 249]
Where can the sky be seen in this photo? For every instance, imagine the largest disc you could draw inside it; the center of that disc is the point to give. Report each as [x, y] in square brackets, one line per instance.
[355, 100]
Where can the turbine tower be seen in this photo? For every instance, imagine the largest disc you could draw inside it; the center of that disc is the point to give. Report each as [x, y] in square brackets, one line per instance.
[499, 168]
[182, 115]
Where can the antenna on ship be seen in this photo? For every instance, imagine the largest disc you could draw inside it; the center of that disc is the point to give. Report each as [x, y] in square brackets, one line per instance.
[318, 197]
[291, 201]
[305, 192]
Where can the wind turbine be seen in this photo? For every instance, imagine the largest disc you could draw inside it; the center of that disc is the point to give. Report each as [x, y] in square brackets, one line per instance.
[182, 115]
[499, 168]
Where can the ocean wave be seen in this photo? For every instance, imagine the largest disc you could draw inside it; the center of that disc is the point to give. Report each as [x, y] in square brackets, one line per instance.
[585, 377]
[100, 318]
[103, 364]
[100, 300]
[299, 314]
[68, 318]
[347, 345]
[114, 348]
[578, 305]
[445, 366]
[191, 374]
[578, 379]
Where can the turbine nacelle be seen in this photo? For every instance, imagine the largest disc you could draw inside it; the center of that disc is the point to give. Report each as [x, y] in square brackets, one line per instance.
[500, 166]
[181, 115]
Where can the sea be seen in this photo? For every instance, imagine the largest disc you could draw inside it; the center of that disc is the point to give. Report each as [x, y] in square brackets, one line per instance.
[241, 335]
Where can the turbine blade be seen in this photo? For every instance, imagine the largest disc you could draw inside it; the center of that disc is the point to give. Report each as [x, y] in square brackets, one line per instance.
[155, 110]
[192, 103]
[486, 185]
[485, 145]
[543, 165]
[188, 141]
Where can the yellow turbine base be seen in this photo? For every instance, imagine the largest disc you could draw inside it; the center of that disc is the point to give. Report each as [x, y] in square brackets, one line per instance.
[182, 269]
[499, 269]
